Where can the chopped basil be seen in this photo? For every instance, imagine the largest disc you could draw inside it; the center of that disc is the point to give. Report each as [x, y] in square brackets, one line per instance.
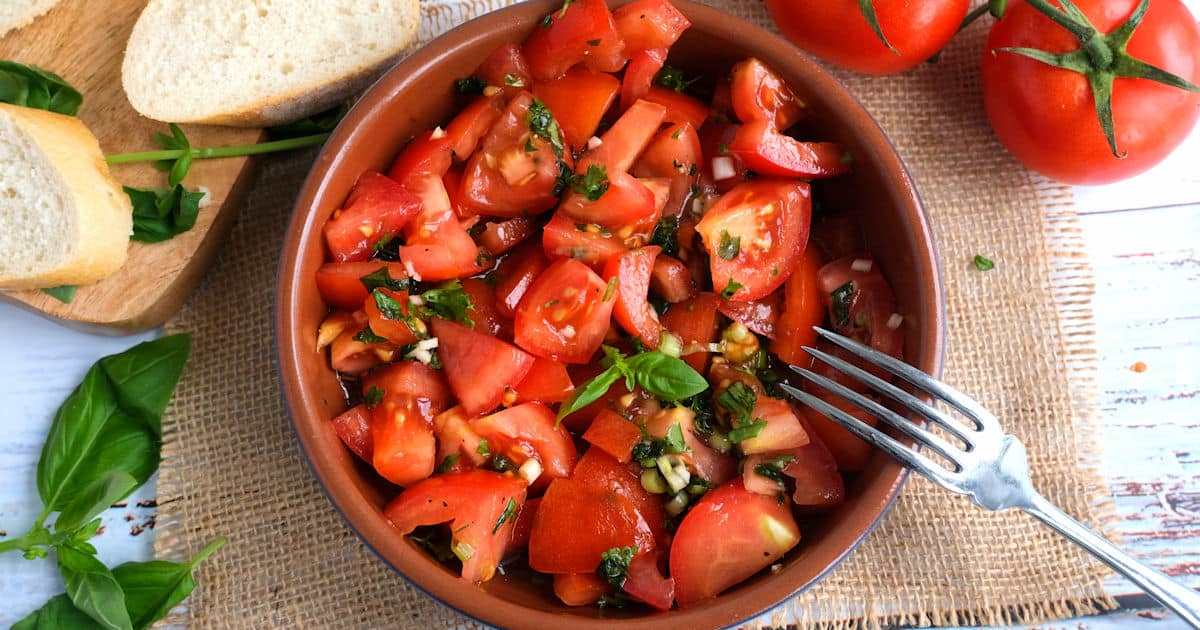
[548, 21]
[984, 264]
[380, 278]
[773, 468]
[842, 300]
[729, 246]
[509, 514]
[739, 399]
[448, 464]
[373, 397]
[483, 448]
[673, 442]
[593, 184]
[388, 306]
[614, 564]
[448, 301]
[368, 336]
[593, 42]
[541, 122]
[64, 293]
[563, 181]
[666, 235]
[747, 431]
[730, 289]
[470, 85]
[619, 600]
[501, 463]
[672, 78]
[677, 134]
[566, 3]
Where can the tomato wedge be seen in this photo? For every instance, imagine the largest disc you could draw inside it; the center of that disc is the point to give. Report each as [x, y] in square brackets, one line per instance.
[589, 244]
[755, 235]
[803, 308]
[680, 107]
[576, 523]
[423, 155]
[646, 24]
[516, 274]
[783, 431]
[581, 31]
[402, 423]
[480, 367]
[395, 330]
[758, 93]
[529, 431]
[639, 76]
[437, 247]
[621, 145]
[475, 504]
[769, 152]
[377, 208]
[467, 128]
[498, 237]
[728, 536]
[565, 313]
[695, 321]
[546, 382]
[626, 201]
[579, 99]
[645, 584]
[631, 272]
[459, 446]
[613, 434]
[580, 589]
[341, 284]
[598, 469]
[353, 426]
[671, 280]
[675, 154]
[506, 69]
[760, 316]
[861, 303]
[848, 450]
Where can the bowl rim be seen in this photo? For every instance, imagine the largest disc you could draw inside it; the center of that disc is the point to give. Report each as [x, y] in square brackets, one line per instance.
[731, 608]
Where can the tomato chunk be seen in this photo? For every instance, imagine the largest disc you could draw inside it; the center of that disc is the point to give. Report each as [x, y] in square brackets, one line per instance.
[376, 208]
[589, 244]
[349, 355]
[480, 367]
[728, 536]
[506, 69]
[761, 315]
[675, 154]
[581, 32]
[646, 24]
[625, 201]
[705, 461]
[565, 313]
[530, 431]
[759, 93]
[500, 236]
[696, 322]
[437, 247]
[475, 504]
[546, 382]
[576, 523]
[671, 280]
[389, 322]
[639, 76]
[680, 108]
[849, 451]
[621, 145]
[580, 589]
[783, 430]
[469, 126]
[353, 426]
[459, 447]
[598, 469]
[516, 274]
[818, 485]
[423, 155]
[803, 308]
[614, 435]
[861, 303]
[645, 584]
[579, 99]
[631, 272]
[341, 284]
[769, 152]
[402, 423]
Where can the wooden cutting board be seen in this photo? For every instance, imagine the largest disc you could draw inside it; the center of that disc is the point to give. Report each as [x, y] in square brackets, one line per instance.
[84, 42]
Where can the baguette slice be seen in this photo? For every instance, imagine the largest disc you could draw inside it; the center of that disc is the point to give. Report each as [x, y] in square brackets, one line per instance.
[251, 64]
[15, 14]
[63, 218]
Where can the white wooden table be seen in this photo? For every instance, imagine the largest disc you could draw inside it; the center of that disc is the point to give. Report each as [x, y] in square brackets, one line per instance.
[1143, 238]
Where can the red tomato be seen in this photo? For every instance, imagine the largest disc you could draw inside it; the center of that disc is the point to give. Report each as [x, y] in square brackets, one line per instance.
[675, 154]
[547, 382]
[395, 331]
[760, 316]
[849, 451]
[437, 246]
[479, 366]
[376, 208]
[769, 222]
[696, 323]
[613, 434]
[631, 272]
[588, 244]
[350, 356]
[646, 24]
[838, 31]
[758, 93]
[706, 462]
[1046, 116]
[353, 426]
[524, 525]
[715, 139]
[504, 178]
[402, 423]
[783, 431]
[529, 431]
[621, 145]
[341, 284]
[579, 99]
[458, 444]
[645, 584]
[580, 589]
[484, 310]
[474, 503]
[500, 236]
[803, 308]
[817, 483]
[639, 76]
[597, 469]
[506, 69]
[565, 313]
[581, 32]
[423, 155]
[865, 314]
[768, 152]
[468, 127]
[516, 274]
[681, 108]
[671, 280]
[728, 536]
[627, 201]
[576, 523]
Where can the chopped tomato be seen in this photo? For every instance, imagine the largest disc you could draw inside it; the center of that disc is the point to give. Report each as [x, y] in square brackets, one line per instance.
[755, 235]
[589, 244]
[576, 523]
[597, 469]
[645, 584]
[529, 431]
[621, 145]
[506, 69]
[631, 273]
[861, 303]
[696, 322]
[639, 76]
[625, 201]
[768, 152]
[706, 462]
[680, 107]
[468, 127]
[424, 155]
[783, 430]
[613, 434]
[803, 308]
[671, 280]
[581, 31]
[341, 284]
[351, 356]
[728, 536]
[578, 99]
[505, 178]
[397, 330]
[459, 446]
[353, 426]
[516, 274]
[402, 423]
[761, 315]
[524, 525]
[849, 450]
[480, 367]
[646, 24]
[675, 154]
[475, 504]
[546, 382]
[580, 589]
[377, 208]
[498, 237]
[723, 170]
[565, 313]
[815, 471]
[437, 246]
[484, 309]
[758, 93]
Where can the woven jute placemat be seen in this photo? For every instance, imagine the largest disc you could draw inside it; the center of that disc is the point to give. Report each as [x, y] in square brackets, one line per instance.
[1020, 340]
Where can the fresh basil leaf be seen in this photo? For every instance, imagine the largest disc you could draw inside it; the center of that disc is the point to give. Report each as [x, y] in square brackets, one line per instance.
[31, 86]
[152, 589]
[57, 614]
[161, 214]
[323, 122]
[666, 235]
[592, 184]
[541, 122]
[665, 376]
[145, 376]
[730, 246]
[381, 278]
[179, 166]
[842, 299]
[449, 301]
[614, 564]
[97, 497]
[64, 293]
[589, 392]
[93, 589]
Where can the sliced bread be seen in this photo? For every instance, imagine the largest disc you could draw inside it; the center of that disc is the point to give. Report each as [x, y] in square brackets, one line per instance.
[63, 218]
[14, 13]
[261, 62]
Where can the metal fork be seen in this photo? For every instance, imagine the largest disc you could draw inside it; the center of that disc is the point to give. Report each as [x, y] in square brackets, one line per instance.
[993, 468]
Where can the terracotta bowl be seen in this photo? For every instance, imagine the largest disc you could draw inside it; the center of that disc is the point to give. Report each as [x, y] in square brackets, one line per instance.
[418, 94]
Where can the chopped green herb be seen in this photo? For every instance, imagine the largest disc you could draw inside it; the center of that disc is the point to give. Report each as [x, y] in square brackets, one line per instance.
[739, 399]
[482, 258]
[672, 78]
[647, 449]
[436, 542]
[773, 468]
[984, 264]
[367, 335]
[619, 600]
[842, 300]
[730, 289]
[501, 463]
[383, 243]
[548, 21]
[541, 122]
[162, 214]
[64, 293]
[448, 463]
[729, 246]
[673, 442]
[566, 3]
[373, 397]
[666, 235]
[388, 306]
[723, 148]
[747, 431]
[483, 448]
[693, 170]
[563, 181]
[509, 514]
[614, 564]
[593, 184]
[380, 278]
[593, 42]
[448, 301]
[322, 122]
[471, 85]
[677, 134]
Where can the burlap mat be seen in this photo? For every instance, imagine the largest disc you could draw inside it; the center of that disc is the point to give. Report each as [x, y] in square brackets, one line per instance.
[1020, 339]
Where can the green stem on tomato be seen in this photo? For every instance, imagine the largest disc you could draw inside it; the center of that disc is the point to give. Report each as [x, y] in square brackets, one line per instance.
[219, 152]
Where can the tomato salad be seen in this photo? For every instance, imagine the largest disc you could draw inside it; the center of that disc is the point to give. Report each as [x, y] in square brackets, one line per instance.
[561, 309]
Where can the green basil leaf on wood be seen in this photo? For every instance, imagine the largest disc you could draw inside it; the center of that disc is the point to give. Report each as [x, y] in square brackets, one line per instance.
[93, 589]
[64, 293]
[31, 86]
[162, 214]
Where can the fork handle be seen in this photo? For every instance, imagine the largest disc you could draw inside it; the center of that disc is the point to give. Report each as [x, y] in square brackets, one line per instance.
[1184, 601]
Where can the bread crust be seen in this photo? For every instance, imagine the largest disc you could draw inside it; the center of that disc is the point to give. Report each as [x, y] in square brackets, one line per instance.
[103, 211]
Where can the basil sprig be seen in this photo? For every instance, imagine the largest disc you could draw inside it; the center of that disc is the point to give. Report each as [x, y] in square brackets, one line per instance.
[663, 375]
[162, 214]
[33, 87]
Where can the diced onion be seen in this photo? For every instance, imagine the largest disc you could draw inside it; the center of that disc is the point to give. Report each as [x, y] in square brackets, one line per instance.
[861, 265]
[412, 273]
[895, 320]
[652, 482]
[530, 470]
[438, 133]
[594, 142]
[416, 300]
[670, 345]
[428, 344]
[723, 168]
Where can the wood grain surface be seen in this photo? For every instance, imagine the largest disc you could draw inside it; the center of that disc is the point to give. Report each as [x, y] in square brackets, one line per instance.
[84, 42]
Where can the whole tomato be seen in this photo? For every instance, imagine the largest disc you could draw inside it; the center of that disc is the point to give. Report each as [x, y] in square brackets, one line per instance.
[1046, 116]
[838, 31]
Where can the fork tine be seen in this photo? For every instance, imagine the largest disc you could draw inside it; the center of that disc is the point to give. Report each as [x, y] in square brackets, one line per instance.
[898, 451]
[920, 434]
[895, 393]
[960, 401]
